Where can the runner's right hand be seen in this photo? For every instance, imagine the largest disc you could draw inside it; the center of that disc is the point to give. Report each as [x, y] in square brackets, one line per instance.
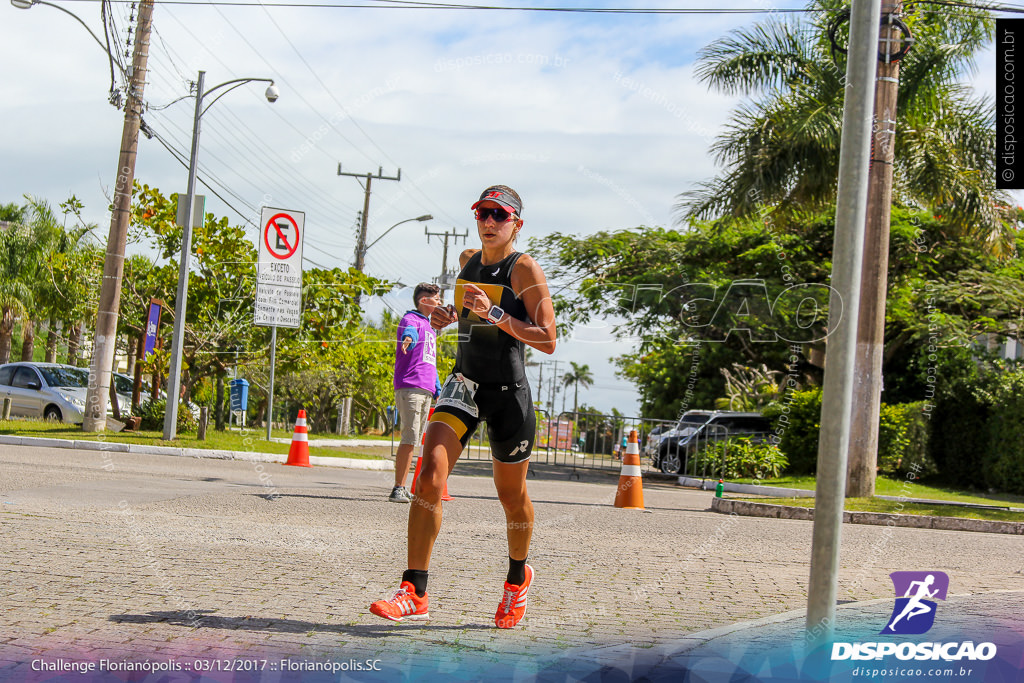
[443, 316]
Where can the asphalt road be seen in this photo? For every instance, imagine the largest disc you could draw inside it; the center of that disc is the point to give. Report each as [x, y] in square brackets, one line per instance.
[121, 555]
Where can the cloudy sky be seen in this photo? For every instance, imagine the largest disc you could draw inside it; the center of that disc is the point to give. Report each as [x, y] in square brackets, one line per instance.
[596, 119]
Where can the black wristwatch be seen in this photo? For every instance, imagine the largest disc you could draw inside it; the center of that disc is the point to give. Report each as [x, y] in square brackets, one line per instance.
[494, 315]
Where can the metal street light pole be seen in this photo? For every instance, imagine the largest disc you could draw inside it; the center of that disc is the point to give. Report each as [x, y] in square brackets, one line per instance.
[362, 256]
[177, 341]
[848, 252]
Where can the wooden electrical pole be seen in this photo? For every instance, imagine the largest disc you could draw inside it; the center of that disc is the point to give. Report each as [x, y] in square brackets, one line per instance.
[345, 411]
[863, 451]
[105, 339]
[361, 243]
[445, 282]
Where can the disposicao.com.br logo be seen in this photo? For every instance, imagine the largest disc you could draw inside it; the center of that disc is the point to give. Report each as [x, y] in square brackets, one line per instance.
[914, 614]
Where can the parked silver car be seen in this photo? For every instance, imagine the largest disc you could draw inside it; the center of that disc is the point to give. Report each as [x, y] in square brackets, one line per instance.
[124, 385]
[48, 390]
[654, 438]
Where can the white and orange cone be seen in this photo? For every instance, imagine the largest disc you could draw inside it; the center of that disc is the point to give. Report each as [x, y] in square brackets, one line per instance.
[298, 453]
[630, 494]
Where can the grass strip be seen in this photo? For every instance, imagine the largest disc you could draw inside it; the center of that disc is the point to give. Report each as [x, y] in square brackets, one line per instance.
[248, 440]
[902, 487]
[897, 508]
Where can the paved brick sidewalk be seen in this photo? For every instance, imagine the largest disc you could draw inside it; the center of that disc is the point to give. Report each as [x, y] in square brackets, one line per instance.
[138, 556]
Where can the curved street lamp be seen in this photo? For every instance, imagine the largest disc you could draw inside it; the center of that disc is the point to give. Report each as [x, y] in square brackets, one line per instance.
[27, 4]
[177, 341]
[426, 217]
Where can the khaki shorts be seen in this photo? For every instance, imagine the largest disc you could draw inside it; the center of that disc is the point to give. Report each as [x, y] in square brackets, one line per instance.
[413, 411]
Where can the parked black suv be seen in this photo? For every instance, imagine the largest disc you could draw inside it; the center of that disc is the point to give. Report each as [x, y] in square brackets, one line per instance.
[698, 428]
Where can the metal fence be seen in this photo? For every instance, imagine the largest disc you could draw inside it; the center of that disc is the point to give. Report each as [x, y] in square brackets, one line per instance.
[577, 441]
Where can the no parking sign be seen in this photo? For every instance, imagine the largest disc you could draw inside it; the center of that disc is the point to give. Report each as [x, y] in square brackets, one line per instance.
[279, 268]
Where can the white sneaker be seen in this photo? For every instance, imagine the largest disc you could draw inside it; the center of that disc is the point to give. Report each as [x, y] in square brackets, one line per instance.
[399, 494]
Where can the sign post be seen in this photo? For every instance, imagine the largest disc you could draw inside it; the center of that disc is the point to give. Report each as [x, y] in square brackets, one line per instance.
[278, 280]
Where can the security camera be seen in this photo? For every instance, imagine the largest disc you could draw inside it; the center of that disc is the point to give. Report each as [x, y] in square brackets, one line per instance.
[272, 93]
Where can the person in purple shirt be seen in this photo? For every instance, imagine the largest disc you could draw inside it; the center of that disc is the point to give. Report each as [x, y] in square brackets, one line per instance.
[416, 382]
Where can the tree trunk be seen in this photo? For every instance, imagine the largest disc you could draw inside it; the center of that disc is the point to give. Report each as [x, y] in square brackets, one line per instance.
[28, 340]
[345, 419]
[74, 337]
[131, 357]
[6, 334]
[218, 404]
[51, 342]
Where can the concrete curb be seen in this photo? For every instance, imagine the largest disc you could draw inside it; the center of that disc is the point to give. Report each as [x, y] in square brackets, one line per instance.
[143, 449]
[341, 443]
[752, 509]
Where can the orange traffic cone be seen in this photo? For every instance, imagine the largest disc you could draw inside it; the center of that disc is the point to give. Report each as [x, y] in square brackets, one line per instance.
[630, 494]
[419, 463]
[298, 454]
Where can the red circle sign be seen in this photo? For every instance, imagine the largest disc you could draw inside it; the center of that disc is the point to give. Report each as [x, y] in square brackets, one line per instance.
[279, 237]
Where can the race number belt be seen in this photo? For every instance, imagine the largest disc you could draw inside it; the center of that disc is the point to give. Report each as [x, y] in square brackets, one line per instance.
[458, 392]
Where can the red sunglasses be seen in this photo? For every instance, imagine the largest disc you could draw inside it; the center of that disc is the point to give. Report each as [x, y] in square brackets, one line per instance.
[499, 214]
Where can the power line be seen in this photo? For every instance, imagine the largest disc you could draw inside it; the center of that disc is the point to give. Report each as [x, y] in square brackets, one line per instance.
[184, 162]
[330, 93]
[412, 4]
[227, 132]
[287, 84]
[301, 182]
[286, 121]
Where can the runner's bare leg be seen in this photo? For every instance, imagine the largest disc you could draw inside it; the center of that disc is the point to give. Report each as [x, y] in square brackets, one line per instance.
[510, 482]
[440, 452]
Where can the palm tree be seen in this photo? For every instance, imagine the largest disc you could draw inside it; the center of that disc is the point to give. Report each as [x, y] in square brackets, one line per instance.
[56, 271]
[16, 260]
[782, 148]
[580, 374]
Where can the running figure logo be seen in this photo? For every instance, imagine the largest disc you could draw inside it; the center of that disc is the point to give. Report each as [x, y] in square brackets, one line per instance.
[913, 613]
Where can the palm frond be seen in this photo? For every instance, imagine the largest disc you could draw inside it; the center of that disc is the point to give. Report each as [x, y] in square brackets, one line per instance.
[769, 55]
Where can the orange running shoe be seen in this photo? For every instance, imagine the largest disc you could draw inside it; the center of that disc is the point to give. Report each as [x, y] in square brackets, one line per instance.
[513, 602]
[404, 605]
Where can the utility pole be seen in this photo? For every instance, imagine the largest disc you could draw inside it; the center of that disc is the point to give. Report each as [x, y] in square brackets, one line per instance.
[847, 256]
[554, 388]
[361, 243]
[344, 418]
[105, 339]
[540, 381]
[445, 281]
[867, 392]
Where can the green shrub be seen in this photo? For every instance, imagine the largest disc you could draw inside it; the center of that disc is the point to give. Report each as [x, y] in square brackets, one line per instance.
[1004, 460]
[739, 458]
[903, 433]
[152, 414]
[796, 421]
[978, 428]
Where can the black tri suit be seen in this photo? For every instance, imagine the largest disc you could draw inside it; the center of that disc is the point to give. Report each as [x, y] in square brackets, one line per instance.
[488, 381]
